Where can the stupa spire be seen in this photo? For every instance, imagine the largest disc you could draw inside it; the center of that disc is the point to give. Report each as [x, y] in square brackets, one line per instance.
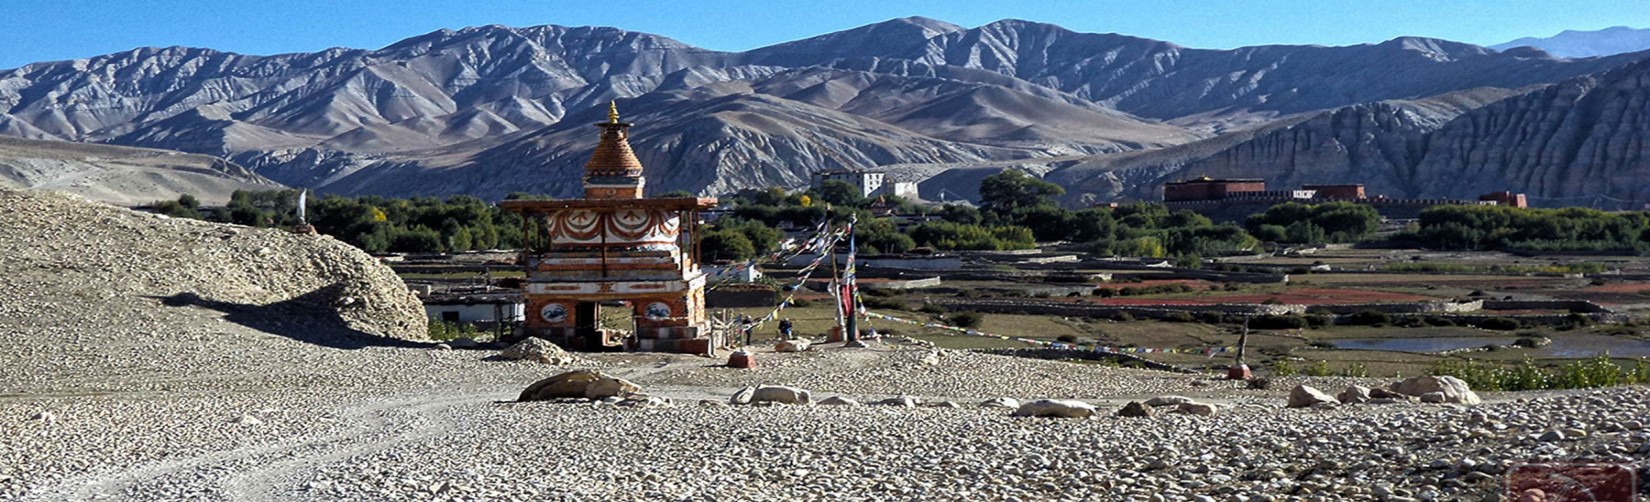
[613, 171]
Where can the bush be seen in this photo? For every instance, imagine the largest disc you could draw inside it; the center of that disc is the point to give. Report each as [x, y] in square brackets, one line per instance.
[1438, 321]
[1066, 338]
[1285, 369]
[1501, 324]
[932, 308]
[1179, 317]
[1595, 372]
[1367, 318]
[965, 319]
[1278, 322]
[872, 302]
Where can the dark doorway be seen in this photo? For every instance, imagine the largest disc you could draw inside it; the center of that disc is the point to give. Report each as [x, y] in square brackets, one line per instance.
[587, 323]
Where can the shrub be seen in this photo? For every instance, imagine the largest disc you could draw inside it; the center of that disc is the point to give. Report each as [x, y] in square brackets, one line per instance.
[932, 308]
[1278, 322]
[1501, 324]
[1439, 321]
[1179, 317]
[1284, 369]
[1317, 369]
[1066, 339]
[873, 302]
[1367, 318]
[965, 319]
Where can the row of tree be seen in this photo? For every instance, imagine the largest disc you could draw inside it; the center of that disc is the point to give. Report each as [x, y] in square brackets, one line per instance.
[374, 224]
[1016, 211]
[1502, 227]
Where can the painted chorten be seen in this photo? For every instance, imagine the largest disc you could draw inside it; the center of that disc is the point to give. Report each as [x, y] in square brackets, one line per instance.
[615, 245]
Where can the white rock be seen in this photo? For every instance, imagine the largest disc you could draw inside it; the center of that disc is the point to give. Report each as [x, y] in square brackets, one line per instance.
[1055, 408]
[780, 394]
[1168, 401]
[798, 345]
[1199, 409]
[1303, 396]
[742, 396]
[1454, 390]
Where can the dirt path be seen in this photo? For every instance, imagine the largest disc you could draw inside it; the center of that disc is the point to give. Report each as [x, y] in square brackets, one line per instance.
[267, 471]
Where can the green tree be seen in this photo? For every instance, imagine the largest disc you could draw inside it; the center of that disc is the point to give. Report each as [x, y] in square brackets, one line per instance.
[729, 245]
[1012, 189]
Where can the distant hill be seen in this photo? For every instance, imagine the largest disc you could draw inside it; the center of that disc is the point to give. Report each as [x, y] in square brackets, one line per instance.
[122, 175]
[1586, 44]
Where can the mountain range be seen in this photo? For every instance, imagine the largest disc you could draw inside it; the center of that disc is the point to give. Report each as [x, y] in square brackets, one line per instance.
[492, 110]
[1583, 44]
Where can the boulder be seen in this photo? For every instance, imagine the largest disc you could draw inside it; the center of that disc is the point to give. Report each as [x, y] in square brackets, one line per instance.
[780, 394]
[1304, 396]
[1168, 401]
[586, 384]
[463, 343]
[1354, 394]
[792, 346]
[1135, 409]
[1453, 389]
[608, 386]
[743, 396]
[1001, 402]
[1387, 395]
[1055, 408]
[905, 401]
[538, 350]
[838, 401]
[942, 404]
[1199, 409]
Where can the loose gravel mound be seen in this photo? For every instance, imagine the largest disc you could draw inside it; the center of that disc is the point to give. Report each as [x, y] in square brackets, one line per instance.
[66, 257]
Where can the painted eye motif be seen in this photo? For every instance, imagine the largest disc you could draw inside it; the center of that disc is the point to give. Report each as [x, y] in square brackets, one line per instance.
[553, 313]
[658, 311]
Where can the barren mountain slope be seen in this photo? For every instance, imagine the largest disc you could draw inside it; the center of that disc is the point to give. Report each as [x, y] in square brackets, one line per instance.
[1377, 144]
[121, 175]
[1162, 80]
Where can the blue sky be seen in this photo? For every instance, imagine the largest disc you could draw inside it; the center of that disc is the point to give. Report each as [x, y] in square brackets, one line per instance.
[47, 30]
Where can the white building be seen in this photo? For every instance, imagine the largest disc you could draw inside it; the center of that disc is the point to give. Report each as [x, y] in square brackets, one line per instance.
[871, 184]
[482, 308]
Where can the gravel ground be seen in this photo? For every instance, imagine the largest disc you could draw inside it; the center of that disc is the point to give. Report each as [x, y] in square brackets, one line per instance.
[109, 392]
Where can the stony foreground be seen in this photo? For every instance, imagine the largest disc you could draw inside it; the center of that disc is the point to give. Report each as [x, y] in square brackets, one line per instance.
[112, 388]
[464, 441]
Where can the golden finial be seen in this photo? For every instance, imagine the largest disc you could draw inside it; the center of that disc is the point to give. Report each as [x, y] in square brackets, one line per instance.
[613, 112]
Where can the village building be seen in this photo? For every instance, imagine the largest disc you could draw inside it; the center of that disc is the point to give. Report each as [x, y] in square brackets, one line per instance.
[611, 246]
[1232, 200]
[870, 183]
